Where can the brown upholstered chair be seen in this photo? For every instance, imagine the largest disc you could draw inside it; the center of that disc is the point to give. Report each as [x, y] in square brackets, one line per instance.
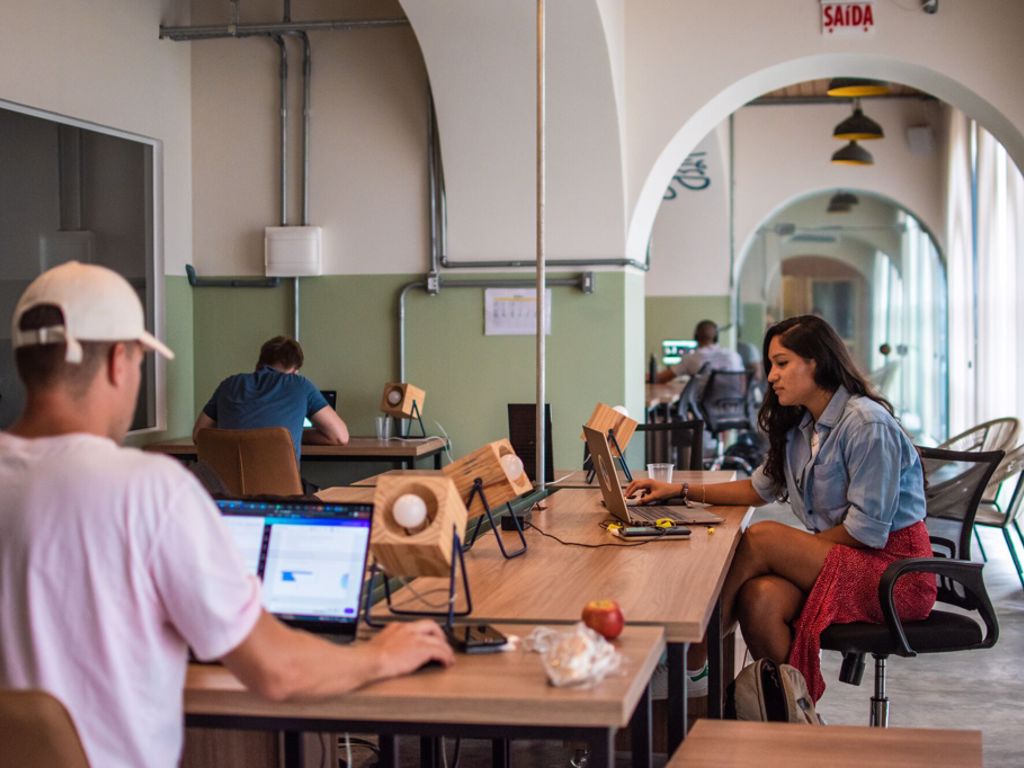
[252, 462]
[36, 731]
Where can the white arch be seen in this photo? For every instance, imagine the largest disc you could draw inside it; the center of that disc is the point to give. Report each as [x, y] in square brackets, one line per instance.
[814, 67]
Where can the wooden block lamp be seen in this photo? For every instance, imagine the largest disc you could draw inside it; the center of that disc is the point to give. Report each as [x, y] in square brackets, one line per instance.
[403, 400]
[487, 478]
[617, 424]
[415, 521]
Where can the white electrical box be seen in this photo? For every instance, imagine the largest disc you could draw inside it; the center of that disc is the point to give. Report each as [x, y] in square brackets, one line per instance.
[293, 251]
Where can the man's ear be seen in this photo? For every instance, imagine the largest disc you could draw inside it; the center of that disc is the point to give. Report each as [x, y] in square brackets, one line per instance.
[118, 360]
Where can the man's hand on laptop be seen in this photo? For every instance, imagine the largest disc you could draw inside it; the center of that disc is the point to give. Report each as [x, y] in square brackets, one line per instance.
[405, 647]
[651, 491]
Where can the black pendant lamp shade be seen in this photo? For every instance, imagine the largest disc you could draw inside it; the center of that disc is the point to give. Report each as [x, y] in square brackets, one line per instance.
[854, 87]
[858, 127]
[853, 154]
[841, 202]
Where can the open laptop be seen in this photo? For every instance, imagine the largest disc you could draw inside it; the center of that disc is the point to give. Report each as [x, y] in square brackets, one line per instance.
[635, 514]
[331, 396]
[310, 557]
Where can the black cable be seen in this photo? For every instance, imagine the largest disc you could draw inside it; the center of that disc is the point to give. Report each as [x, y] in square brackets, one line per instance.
[528, 526]
[323, 749]
[455, 754]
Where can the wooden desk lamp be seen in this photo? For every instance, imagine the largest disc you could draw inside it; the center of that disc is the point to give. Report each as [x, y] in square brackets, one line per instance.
[616, 423]
[404, 401]
[487, 478]
[418, 527]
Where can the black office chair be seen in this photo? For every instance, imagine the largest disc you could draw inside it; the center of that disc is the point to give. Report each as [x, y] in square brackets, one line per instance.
[688, 406]
[724, 406]
[679, 443]
[955, 483]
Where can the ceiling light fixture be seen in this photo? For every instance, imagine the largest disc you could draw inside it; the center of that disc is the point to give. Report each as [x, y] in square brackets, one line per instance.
[858, 127]
[853, 154]
[844, 198]
[855, 87]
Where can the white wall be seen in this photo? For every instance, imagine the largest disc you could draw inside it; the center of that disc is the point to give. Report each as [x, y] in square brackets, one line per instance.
[481, 59]
[368, 187]
[690, 64]
[102, 62]
[690, 242]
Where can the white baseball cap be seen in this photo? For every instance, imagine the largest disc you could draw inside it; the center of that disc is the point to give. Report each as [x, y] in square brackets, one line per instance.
[98, 305]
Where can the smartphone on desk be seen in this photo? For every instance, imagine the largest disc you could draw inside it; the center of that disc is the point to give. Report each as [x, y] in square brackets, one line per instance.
[475, 638]
[651, 532]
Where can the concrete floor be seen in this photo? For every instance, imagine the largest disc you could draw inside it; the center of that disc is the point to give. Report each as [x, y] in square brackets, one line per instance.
[977, 690]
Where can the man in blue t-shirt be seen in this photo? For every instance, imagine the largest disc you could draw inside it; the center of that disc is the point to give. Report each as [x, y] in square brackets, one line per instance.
[274, 395]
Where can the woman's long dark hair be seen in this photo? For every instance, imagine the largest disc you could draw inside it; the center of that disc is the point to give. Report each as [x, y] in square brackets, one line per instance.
[811, 338]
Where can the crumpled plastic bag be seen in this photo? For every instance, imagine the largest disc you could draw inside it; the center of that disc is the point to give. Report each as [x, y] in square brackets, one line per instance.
[577, 656]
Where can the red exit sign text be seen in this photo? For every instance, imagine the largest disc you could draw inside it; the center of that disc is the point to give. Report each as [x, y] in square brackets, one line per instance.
[845, 17]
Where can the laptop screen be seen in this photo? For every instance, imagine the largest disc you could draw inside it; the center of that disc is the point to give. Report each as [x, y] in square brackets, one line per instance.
[310, 556]
[331, 396]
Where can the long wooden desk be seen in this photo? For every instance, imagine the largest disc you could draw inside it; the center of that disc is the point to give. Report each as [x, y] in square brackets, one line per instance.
[670, 584]
[401, 452]
[492, 696]
[732, 744]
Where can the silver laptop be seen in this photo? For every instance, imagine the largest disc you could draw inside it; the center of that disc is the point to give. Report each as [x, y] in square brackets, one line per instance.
[635, 514]
[310, 557]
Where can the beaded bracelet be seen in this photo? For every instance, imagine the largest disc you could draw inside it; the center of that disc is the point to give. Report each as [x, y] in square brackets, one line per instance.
[686, 490]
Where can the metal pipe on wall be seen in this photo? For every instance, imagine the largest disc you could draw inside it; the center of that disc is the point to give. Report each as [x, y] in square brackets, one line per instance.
[212, 32]
[541, 274]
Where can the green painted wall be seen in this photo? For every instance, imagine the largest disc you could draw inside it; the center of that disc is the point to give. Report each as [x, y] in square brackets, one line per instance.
[753, 323]
[674, 317]
[349, 333]
[180, 380]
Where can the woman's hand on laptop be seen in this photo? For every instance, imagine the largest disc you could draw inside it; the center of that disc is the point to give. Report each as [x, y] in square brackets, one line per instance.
[405, 647]
[651, 490]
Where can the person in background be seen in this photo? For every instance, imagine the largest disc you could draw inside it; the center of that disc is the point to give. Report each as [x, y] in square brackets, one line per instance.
[125, 553]
[851, 475]
[274, 395]
[707, 351]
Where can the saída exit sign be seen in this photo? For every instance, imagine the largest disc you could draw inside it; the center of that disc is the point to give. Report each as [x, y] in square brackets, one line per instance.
[847, 16]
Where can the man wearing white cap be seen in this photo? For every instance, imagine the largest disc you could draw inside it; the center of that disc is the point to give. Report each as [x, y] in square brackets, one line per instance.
[113, 562]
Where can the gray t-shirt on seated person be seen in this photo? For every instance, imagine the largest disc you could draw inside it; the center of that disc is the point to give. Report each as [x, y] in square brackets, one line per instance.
[721, 359]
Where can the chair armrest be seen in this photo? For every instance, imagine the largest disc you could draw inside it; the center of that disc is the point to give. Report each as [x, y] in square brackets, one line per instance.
[962, 572]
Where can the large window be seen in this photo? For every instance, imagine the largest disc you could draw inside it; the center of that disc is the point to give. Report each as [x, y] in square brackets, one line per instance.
[75, 191]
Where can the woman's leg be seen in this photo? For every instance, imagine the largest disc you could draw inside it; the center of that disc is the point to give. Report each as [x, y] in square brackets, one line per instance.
[773, 549]
[766, 606]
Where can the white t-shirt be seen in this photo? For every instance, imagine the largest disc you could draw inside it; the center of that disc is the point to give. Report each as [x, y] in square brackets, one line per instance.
[112, 563]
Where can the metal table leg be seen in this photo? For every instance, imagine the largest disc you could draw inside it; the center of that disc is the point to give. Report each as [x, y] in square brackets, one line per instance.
[715, 657]
[430, 752]
[640, 731]
[388, 757]
[676, 695]
[293, 757]
[500, 755]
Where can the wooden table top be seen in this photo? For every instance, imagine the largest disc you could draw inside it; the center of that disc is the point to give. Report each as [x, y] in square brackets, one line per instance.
[734, 744]
[577, 478]
[370, 447]
[668, 583]
[488, 688]
[669, 392]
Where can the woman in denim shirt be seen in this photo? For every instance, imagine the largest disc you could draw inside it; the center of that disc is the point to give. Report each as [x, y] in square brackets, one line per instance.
[850, 474]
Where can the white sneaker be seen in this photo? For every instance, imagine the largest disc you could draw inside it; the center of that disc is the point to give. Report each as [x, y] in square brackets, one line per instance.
[696, 682]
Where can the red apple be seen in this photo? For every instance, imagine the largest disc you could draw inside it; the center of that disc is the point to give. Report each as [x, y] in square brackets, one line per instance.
[604, 617]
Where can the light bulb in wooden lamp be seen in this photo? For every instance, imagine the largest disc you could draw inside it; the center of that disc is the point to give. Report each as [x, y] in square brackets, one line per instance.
[606, 419]
[500, 471]
[398, 399]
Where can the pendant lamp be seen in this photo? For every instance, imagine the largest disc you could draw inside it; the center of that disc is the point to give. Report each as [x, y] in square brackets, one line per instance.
[853, 154]
[853, 87]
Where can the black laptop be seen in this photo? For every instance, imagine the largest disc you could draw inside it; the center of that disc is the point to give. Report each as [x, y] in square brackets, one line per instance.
[310, 557]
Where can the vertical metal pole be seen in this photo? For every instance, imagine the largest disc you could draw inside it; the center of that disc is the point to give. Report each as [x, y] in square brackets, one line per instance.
[540, 247]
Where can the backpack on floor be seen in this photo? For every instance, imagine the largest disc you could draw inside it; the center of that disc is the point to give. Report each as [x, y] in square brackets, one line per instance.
[769, 692]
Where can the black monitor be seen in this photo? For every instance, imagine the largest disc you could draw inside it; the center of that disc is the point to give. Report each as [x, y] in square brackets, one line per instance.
[522, 433]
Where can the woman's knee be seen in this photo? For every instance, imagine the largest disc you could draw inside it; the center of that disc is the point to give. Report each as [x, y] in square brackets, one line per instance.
[767, 600]
[760, 539]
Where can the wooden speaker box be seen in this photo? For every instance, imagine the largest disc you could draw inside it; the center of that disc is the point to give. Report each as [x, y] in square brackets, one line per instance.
[605, 419]
[500, 482]
[398, 398]
[427, 549]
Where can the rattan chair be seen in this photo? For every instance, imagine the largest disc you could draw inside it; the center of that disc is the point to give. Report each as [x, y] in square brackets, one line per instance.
[36, 731]
[251, 462]
[1003, 515]
[679, 443]
[956, 480]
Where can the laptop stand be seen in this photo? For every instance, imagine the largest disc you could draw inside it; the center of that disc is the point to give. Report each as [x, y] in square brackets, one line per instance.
[458, 562]
[478, 490]
[592, 472]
